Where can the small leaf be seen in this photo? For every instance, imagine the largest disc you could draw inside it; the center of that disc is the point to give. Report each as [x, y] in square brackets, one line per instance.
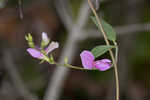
[95, 21]
[100, 50]
[110, 32]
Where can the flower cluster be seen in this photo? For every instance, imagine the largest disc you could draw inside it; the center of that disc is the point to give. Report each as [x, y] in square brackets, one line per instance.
[43, 51]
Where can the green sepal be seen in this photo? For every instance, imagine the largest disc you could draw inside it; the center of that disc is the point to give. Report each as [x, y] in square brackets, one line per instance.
[51, 59]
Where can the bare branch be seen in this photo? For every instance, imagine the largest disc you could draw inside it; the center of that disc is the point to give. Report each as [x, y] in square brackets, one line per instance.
[121, 30]
[15, 77]
[133, 28]
[83, 14]
[59, 76]
[97, 4]
[64, 11]
[20, 9]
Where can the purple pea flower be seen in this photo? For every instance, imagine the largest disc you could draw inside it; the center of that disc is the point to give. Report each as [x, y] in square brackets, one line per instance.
[88, 62]
[36, 53]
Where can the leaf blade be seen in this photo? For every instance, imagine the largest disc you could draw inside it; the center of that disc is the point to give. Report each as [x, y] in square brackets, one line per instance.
[100, 50]
[110, 32]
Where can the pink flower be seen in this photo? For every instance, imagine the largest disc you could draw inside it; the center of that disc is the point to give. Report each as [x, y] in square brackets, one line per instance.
[88, 62]
[36, 53]
[45, 38]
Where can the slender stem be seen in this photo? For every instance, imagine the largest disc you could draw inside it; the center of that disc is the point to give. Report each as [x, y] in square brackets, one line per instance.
[51, 61]
[68, 65]
[110, 51]
[116, 51]
[71, 66]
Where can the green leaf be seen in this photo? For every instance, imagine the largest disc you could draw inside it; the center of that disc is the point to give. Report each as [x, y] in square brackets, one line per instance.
[110, 32]
[100, 50]
[95, 21]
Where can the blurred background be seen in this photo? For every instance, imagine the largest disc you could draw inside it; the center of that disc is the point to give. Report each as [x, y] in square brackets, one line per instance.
[69, 23]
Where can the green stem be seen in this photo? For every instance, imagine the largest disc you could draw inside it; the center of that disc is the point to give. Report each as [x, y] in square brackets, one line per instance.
[110, 51]
[52, 61]
[71, 66]
[116, 51]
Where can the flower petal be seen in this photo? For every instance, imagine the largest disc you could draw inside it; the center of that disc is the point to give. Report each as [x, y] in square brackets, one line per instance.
[35, 53]
[106, 60]
[51, 47]
[103, 64]
[45, 38]
[87, 59]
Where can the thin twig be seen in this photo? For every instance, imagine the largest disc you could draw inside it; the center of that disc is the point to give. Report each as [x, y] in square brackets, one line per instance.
[64, 13]
[110, 51]
[121, 30]
[97, 4]
[20, 9]
[15, 77]
[73, 67]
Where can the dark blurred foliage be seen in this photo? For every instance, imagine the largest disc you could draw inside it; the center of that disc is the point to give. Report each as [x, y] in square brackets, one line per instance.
[41, 15]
